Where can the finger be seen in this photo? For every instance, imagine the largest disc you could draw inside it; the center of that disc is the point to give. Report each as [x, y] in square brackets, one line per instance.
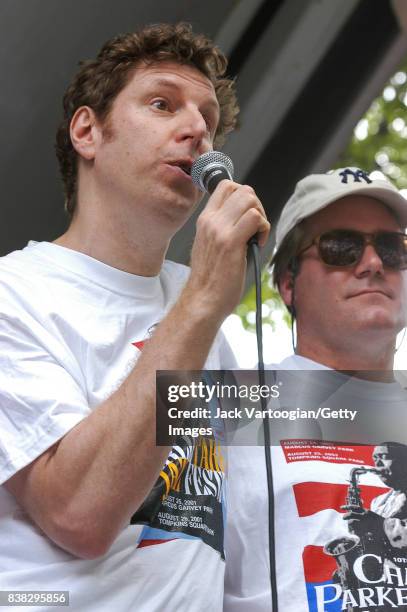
[239, 202]
[221, 193]
[252, 223]
[264, 235]
[246, 195]
[258, 201]
[230, 202]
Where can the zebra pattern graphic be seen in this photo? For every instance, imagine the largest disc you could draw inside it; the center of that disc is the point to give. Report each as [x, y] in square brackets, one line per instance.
[188, 498]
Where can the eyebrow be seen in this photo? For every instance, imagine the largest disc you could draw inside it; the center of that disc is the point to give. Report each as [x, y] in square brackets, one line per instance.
[163, 82]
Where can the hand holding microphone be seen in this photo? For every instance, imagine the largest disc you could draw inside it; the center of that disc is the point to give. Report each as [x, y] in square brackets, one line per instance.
[232, 216]
[209, 169]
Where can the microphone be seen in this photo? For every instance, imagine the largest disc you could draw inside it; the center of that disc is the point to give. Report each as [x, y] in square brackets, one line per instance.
[209, 169]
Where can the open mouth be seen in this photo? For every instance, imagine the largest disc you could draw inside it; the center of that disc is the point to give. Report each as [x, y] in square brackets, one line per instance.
[185, 166]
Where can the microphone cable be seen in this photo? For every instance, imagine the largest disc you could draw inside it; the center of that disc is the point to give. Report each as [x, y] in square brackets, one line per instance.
[207, 171]
[254, 252]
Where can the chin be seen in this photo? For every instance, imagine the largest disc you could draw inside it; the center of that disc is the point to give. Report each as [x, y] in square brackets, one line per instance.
[176, 197]
[176, 212]
[381, 319]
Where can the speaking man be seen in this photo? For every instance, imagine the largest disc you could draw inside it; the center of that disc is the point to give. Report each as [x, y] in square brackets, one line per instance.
[339, 265]
[80, 344]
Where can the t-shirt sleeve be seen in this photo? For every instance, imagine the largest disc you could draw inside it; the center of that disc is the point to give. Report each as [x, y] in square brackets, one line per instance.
[41, 395]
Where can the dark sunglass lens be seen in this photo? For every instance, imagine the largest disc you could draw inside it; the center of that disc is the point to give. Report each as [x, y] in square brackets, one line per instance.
[340, 247]
[392, 249]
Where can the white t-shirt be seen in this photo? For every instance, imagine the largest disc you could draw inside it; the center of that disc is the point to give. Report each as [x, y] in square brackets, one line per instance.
[311, 482]
[71, 330]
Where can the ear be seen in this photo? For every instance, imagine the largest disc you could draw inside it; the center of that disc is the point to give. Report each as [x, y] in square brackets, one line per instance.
[84, 131]
[286, 287]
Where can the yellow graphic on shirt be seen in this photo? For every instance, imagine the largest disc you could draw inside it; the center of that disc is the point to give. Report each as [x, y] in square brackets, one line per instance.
[198, 470]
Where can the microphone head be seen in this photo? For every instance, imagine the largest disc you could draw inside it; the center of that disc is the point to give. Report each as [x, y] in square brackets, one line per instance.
[206, 164]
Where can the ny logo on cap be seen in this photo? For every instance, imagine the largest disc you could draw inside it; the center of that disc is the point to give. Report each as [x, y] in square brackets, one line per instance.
[358, 175]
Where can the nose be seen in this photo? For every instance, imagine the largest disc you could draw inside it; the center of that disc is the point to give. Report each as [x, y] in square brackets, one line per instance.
[370, 263]
[193, 128]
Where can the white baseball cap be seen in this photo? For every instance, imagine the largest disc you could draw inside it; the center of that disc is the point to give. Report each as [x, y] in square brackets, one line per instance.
[316, 191]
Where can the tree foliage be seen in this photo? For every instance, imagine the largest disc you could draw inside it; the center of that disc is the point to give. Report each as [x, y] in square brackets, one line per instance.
[379, 141]
[378, 145]
[271, 303]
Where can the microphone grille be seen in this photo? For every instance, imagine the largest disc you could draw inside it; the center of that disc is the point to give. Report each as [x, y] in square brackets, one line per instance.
[208, 159]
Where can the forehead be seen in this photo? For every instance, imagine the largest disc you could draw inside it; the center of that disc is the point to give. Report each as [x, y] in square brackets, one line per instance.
[353, 212]
[183, 77]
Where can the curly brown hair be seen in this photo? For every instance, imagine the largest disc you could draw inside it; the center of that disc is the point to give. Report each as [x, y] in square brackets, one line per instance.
[99, 81]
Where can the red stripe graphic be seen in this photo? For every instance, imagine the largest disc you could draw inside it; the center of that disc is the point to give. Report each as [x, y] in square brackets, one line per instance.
[153, 542]
[318, 567]
[312, 497]
[139, 344]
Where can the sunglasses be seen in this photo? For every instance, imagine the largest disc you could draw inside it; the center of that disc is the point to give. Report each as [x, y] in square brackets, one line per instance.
[343, 247]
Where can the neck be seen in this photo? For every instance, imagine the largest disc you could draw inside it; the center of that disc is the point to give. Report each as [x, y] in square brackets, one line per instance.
[371, 360]
[136, 247]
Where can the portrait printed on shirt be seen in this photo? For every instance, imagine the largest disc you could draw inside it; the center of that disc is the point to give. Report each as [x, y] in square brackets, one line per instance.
[364, 565]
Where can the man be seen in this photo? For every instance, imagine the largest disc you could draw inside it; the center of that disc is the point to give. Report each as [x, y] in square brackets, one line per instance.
[380, 546]
[390, 459]
[339, 266]
[388, 511]
[77, 441]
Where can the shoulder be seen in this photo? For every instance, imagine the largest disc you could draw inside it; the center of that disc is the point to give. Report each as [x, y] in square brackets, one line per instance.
[30, 256]
[20, 282]
[25, 265]
[29, 284]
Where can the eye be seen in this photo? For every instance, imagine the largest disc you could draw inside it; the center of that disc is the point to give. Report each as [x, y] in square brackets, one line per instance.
[210, 130]
[210, 124]
[160, 104]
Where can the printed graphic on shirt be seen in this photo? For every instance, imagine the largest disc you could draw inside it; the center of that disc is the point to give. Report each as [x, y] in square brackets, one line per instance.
[140, 343]
[363, 567]
[187, 499]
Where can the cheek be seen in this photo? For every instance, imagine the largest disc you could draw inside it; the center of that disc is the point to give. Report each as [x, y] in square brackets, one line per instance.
[399, 287]
[312, 291]
[403, 290]
[134, 133]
